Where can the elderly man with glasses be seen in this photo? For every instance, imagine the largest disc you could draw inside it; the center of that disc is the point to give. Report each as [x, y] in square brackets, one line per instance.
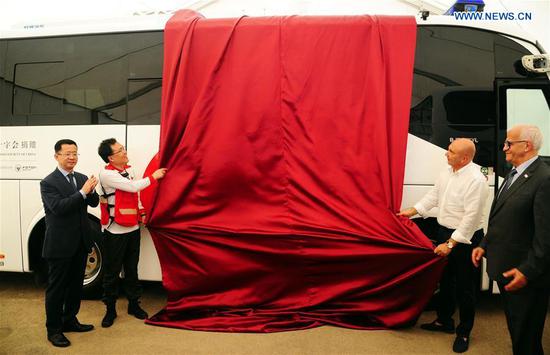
[517, 243]
[120, 217]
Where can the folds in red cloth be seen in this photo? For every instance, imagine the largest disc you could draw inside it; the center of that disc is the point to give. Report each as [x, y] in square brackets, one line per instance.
[285, 140]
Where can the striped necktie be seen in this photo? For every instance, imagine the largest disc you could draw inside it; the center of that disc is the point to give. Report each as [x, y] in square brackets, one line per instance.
[508, 181]
[72, 181]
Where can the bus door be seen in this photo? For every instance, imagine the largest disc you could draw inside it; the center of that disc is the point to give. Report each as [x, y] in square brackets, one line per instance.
[521, 101]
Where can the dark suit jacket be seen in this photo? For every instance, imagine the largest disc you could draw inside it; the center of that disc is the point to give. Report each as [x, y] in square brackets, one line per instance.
[67, 224]
[518, 235]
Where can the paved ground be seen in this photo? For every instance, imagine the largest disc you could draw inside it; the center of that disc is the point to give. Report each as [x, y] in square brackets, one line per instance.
[22, 331]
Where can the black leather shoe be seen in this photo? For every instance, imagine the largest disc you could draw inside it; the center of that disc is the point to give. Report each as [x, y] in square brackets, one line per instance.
[461, 344]
[109, 317]
[136, 310]
[59, 340]
[437, 327]
[76, 326]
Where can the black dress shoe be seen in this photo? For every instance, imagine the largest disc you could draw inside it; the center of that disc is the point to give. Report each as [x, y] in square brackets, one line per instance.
[437, 327]
[109, 317]
[135, 310]
[461, 344]
[76, 326]
[59, 340]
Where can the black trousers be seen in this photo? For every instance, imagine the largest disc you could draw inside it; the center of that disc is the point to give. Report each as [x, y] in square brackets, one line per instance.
[121, 251]
[525, 311]
[64, 291]
[458, 284]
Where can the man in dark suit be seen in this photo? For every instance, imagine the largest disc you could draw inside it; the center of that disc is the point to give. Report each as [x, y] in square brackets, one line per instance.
[66, 195]
[517, 243]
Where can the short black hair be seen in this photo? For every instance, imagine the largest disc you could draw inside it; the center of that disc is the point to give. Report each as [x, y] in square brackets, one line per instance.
[58, 145]
[104, 150]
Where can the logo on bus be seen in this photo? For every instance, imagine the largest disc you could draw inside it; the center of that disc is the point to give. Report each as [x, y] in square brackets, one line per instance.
[20, 168]
[473, 139]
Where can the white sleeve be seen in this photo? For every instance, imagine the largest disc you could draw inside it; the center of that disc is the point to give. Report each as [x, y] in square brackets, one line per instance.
[112, 179]
[430, 200]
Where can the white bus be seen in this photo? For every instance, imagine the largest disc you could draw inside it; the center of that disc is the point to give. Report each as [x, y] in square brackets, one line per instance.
[91, 82]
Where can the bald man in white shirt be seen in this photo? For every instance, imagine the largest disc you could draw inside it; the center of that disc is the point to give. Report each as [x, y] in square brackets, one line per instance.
[460, 194]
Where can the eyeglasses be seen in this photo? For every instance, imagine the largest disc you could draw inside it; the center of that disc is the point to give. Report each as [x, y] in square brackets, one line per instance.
[67, 155]
[119, 151]
[508, 144]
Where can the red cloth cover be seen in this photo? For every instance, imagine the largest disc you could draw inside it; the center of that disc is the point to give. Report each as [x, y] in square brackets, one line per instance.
[285, 140]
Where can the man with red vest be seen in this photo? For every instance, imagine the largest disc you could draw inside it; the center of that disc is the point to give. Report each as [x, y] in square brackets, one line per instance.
[120, 217]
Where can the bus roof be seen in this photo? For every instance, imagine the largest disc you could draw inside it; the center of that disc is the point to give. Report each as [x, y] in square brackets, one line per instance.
[141, 21]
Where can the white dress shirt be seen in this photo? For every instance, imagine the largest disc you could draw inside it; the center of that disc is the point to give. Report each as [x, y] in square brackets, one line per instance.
[461, 196]
[111, 180]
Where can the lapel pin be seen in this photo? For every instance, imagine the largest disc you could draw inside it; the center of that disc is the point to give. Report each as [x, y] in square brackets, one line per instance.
[526, 176]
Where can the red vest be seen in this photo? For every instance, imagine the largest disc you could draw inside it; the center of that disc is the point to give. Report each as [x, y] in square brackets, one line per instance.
[126, 205]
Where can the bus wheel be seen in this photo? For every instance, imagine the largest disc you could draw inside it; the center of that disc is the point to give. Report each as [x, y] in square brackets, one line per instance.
[93, 275]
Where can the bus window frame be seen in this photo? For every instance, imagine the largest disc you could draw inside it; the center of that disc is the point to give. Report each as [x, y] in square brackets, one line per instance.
[501, 86]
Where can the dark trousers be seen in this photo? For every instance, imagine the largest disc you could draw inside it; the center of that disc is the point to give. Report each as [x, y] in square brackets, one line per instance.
[458, 284]
[121, 250]
[64, 291]
[525, 311]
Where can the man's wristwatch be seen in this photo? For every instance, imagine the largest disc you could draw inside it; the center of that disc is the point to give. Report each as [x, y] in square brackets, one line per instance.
[450, 244]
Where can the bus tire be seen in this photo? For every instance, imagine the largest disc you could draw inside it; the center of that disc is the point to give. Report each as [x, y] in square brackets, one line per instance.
[93, 275]
[92, 285]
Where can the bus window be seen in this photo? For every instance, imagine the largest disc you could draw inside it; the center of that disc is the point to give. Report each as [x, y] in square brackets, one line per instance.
[466, 112]
[421, 119]
[146, 62]
[97, 69]
[145, 81]
[37, 93]
[78, 80]
[529, 106]
[5, 89]
[144, 97]
[471, 107]
[453, 91]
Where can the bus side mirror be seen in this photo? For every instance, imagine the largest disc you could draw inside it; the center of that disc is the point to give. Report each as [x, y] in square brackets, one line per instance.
[538, 63]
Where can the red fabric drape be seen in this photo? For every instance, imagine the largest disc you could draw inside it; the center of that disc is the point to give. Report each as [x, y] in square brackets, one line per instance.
[285, 139]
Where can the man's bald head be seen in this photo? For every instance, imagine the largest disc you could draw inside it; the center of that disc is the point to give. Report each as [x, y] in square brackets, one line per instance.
[466, 146]
[460, 153]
